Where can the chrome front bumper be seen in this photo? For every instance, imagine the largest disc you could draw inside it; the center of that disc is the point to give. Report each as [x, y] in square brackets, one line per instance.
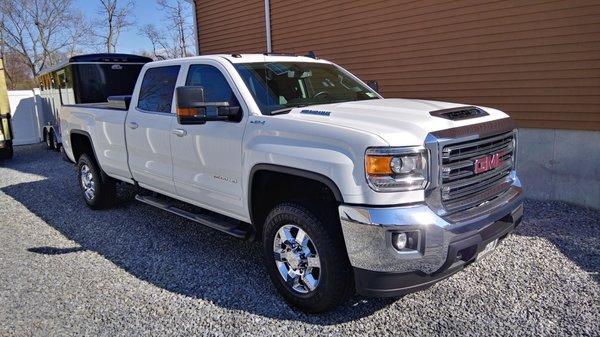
[368, 233]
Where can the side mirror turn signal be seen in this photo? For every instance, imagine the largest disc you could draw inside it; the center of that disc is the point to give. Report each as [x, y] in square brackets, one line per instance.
[192, 107]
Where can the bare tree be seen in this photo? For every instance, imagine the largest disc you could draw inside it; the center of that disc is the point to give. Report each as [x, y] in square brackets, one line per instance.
[40, 32]
[114, 20]
[18, 75]
[143, 52]
[179, 23]
[160, 49]
[172, 41]
[82, 39]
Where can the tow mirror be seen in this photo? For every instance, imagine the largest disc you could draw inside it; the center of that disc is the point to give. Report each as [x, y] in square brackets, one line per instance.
[192, 107]
[189, 105]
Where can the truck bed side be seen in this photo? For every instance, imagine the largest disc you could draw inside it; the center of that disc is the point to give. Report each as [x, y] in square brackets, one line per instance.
[105, 131]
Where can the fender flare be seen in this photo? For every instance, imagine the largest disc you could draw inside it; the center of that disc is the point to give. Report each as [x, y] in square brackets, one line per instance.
[295, 172]
[87, 135]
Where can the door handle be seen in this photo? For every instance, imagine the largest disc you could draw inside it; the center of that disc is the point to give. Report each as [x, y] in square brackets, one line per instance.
[179, 132]
[133, 125]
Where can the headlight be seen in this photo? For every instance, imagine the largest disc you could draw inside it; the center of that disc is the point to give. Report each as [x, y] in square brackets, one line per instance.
[396, 169]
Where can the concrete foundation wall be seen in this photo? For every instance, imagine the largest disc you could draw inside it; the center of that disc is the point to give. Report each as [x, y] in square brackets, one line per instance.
[560, 165]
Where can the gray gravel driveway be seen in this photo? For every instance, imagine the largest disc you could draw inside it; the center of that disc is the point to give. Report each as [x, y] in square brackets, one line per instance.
[134, 270]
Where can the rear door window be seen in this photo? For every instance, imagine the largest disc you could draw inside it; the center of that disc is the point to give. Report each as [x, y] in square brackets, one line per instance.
[158, 86]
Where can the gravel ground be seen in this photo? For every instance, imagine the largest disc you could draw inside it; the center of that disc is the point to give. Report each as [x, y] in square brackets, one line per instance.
[135, 270]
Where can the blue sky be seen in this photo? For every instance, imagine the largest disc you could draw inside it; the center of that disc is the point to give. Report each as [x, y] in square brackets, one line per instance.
[130, 41]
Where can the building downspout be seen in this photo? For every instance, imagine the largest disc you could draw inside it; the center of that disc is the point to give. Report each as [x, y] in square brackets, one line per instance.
[268, 25]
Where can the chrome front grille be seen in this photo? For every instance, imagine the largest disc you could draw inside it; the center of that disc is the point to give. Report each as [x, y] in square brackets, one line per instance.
[461, 187]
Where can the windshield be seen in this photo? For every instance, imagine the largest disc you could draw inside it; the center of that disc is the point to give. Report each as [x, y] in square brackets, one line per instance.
[283, 85]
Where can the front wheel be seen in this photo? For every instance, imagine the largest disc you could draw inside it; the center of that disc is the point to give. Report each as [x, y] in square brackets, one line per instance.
[305, 257]
[98, 191]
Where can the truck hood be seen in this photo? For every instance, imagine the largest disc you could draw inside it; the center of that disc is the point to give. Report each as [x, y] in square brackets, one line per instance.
[399, 122]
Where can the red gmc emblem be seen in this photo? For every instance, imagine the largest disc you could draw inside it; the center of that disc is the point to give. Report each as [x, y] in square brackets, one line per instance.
[487, 163]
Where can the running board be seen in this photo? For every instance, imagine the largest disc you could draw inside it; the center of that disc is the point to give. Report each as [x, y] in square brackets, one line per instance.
[216, 221]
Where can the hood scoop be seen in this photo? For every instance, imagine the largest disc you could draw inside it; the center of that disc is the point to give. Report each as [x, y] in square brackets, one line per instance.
[315, 112]
[460, 113]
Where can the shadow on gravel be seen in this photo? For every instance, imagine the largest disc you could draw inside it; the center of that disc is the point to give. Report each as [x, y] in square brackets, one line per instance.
[574, 230]
[157, 247]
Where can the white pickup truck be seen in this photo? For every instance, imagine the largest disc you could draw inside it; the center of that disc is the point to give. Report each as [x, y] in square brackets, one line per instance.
[347, 191]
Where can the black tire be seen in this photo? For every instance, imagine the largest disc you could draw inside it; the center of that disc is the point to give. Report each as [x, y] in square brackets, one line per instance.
[55, 143]
[104, 189]
[335, 280]
[48, 140]
[7, 152]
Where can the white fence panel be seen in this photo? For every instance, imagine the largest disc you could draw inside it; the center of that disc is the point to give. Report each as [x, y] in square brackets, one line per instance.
[25, 116]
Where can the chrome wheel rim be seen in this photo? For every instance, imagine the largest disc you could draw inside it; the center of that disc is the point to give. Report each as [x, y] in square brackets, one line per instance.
[87, 182]
[297, 258]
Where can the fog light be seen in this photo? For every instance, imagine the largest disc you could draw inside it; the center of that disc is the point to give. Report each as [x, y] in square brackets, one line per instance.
[399, 240]
[404, 241]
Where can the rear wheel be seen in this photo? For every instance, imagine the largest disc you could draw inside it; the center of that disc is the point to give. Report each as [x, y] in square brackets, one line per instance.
[306, 258]
[98, 191]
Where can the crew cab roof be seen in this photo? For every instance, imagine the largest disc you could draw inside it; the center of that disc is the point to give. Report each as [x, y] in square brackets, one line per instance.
[244, 58]
[254, 58]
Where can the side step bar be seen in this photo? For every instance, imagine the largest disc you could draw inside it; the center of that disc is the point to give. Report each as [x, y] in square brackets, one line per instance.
[214, 220]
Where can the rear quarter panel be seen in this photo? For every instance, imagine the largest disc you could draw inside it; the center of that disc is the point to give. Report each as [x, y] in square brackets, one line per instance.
[106, 128]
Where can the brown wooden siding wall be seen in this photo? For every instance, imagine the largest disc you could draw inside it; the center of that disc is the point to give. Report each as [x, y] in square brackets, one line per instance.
[538, 60]
[231, 26]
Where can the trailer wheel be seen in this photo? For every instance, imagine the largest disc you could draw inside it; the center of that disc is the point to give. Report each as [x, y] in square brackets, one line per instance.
[55, 143]
[48, 139]
[99, 191]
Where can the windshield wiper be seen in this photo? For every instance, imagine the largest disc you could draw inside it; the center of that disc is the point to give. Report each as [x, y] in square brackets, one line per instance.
[286, 110]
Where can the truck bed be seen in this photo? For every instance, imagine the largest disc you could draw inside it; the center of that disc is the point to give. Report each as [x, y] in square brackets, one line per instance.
[104, 125]
[99, 105]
